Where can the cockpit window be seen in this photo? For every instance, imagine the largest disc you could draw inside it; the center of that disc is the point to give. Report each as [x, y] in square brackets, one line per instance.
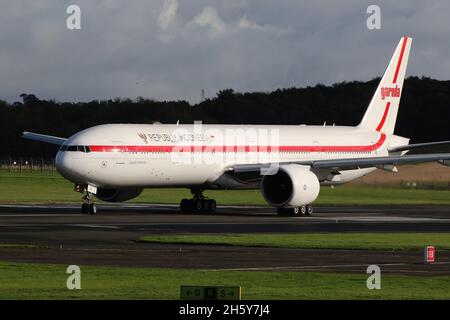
[84, 149]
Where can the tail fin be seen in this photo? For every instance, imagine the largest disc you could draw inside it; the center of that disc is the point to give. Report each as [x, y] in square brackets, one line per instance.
[382, 111]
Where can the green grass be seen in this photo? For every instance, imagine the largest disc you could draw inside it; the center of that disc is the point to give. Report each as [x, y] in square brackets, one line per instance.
[45, 281]
[46, 187]
[352, 241]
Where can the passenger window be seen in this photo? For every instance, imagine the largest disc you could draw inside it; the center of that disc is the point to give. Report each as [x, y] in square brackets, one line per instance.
[80, 148]
[72, 148]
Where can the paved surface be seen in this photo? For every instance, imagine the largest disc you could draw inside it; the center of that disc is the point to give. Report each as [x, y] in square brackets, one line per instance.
[109, 238]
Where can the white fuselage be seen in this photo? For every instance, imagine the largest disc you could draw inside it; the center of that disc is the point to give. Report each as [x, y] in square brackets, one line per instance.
[160, 155]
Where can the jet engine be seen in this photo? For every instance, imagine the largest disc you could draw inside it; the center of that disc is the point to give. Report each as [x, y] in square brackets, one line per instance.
[117, 195]
[292, 186]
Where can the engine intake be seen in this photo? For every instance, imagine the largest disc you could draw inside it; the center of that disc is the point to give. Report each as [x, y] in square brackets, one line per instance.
[117, 195]
[292, 186]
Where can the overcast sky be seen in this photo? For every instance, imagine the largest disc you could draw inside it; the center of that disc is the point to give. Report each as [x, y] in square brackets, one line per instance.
[171, 49]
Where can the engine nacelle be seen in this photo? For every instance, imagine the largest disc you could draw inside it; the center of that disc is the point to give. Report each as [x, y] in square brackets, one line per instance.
[117, 195]
[292, 186]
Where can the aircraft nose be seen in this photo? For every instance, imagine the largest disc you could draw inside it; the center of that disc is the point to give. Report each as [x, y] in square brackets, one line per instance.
[63, 163]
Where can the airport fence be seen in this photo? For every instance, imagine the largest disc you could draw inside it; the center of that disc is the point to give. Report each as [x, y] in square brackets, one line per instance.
[47, 165]
[19, 164]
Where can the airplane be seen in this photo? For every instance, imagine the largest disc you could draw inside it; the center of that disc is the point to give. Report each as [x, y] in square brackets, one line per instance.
[289, 163]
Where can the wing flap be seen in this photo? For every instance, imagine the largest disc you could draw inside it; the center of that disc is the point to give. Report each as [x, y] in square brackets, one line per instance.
[359, 163]
[346, 164]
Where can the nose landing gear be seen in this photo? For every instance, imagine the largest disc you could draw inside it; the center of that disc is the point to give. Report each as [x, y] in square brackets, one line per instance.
[198, 203]
[88, 206]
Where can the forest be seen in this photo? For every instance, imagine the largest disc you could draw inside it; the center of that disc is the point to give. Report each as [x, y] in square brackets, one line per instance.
[423, 116]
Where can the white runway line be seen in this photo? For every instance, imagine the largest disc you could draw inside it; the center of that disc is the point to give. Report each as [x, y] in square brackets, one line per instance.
[40, 215]
[37, 206]
[323, 266]
[93, 226]
[117, 206]
[380, 218]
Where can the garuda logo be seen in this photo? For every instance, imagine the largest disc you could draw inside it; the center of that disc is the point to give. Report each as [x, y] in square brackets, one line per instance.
[144, 137]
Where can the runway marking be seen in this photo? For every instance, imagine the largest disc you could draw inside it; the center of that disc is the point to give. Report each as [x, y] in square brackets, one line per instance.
[119, 206]
[302, 219]
[93, 226]
[374, 219]
[323, 266]
[40, 215]
[394, 219]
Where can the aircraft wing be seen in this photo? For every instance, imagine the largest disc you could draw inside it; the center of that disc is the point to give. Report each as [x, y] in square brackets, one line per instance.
[420, 145]
[347, 164]
[43, 138]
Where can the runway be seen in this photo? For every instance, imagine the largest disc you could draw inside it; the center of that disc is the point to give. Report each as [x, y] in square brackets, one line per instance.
[110, 237]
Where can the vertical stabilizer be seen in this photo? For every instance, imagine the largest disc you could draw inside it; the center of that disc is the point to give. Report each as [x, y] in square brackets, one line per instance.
[381, 114]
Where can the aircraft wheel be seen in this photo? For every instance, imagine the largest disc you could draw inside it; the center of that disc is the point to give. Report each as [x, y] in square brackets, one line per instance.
[92, 209]
[212, 205]
[198, 205]
[309, 210]
[85, 208]
[185, 205]
[303, 210]
[206, 205]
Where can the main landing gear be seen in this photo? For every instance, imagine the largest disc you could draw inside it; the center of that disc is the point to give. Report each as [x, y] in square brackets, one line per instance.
[296, 211]
[198, 203]
[88, 206]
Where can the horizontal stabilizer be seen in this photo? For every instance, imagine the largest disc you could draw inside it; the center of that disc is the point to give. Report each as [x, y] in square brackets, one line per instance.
[419, 145]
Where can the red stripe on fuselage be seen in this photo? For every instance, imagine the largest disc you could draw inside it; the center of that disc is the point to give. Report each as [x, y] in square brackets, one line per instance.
[405, 40]
[175, 148]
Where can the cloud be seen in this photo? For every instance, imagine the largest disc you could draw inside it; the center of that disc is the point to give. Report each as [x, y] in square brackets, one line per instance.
[209, 17]
[168, 14]
[245, 23]
[169, 49]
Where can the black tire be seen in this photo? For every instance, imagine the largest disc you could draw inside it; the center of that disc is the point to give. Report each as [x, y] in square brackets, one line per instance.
[212, 205]
[198, 205]
[185, 205]
[295, 211]
[206, 205]
[85, 208]
[309, 210]
[92, 209]
[303, 210]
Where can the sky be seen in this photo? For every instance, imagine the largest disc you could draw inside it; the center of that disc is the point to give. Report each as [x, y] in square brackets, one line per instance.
[172, 49]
